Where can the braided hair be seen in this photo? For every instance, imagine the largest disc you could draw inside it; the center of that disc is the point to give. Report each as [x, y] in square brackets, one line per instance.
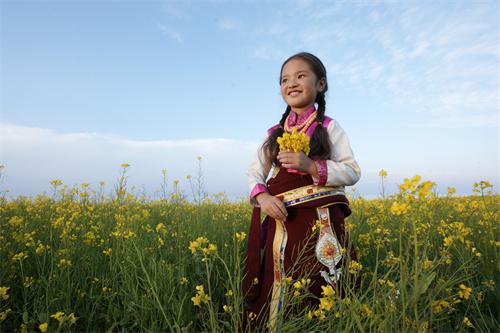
[319, 144]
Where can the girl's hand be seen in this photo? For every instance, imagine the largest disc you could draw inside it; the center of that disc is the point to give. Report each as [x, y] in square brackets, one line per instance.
[298, 161]
[272, 206]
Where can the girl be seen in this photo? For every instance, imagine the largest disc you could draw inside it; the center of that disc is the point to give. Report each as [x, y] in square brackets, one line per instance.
[300, 190]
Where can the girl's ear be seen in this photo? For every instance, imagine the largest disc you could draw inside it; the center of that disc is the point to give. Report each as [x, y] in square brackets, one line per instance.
[321, 83]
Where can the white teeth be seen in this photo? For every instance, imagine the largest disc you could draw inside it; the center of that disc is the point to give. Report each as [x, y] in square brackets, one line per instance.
[294, 93]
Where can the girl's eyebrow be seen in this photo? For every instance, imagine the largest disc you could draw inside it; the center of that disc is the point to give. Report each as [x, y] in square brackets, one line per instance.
[296, 73]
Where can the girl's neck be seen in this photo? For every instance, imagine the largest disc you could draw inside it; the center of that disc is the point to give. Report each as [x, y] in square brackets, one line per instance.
[300, 111]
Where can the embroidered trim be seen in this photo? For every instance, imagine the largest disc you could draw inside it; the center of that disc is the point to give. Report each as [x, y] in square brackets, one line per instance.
[328, 249]
[278, 293]
[322, 172]
[308, 193]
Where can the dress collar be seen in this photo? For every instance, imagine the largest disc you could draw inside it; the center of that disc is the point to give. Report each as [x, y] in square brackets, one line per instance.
[295, 119]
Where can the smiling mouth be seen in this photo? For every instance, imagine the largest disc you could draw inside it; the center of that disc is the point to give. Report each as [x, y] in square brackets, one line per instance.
[294, 93]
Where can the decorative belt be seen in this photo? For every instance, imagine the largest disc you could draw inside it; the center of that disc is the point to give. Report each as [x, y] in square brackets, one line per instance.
[328, 250]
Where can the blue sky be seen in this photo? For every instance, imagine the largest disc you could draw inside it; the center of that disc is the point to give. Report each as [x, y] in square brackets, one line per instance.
[86, 86]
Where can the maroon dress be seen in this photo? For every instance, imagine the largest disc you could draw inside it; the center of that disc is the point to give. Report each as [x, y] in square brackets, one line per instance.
[299, 253]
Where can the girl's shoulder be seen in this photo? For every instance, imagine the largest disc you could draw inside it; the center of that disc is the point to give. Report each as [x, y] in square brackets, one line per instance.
[271, 129]
[326, 122]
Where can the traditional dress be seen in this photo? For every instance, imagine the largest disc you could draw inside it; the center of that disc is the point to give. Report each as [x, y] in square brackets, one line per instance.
[278, 249]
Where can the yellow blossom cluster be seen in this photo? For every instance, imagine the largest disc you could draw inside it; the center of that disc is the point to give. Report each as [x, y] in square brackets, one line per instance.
[200, 297]
[61, 317]
[439, 305]
[294, 142]
[197, 245]
[355, 267]
[399, 209]
[464, 291]
[4, 293]
[300, 285]
[326, 304]
[240, 236]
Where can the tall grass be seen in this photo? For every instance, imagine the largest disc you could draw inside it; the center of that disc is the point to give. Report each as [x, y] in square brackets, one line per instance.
[76, 260]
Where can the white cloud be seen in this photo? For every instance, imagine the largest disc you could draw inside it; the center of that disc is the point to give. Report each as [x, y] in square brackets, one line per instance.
[227, 24]
[34, 156]
[171, 33]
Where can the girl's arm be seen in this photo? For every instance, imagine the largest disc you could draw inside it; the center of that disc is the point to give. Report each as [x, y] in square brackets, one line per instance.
[257, 174]
[342, 168]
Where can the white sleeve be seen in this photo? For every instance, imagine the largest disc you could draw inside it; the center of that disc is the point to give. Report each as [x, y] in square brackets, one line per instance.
[342, 168]
[258, 171]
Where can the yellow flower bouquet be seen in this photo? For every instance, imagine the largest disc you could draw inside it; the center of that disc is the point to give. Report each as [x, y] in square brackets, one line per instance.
[294, 142]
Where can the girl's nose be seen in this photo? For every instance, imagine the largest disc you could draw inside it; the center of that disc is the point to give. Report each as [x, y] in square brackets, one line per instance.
[291, 83]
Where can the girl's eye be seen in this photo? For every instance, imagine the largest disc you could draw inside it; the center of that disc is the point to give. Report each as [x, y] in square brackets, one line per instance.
[301, 75]
[284, 81]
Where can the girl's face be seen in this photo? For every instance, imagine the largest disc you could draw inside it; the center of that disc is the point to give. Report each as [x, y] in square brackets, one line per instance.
[299, 85]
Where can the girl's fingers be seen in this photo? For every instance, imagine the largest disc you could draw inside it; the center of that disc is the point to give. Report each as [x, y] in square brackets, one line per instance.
[280, 210]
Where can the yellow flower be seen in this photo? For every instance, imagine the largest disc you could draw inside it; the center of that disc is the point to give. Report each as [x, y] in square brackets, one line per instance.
[354, 267]
[252, 316]
[71, 318]
[196, 299]
[211, 249]
[64, 263]
[294, 142]
[4, 293]
[438, 306]
[399, 209]
[4, 314]
[309, 315]
[464, 291]
[19, 256]
[59, 316]
[229, 293]
[467, 322]
[382, 173]
[160, 228]
[193, 246]
[240, 236]
[451, 191]
[325, 303]
[184, 280]
[227, 308]
[124, 165]
[327, 291]
[200, 296]
[43, 327]
[56, 182]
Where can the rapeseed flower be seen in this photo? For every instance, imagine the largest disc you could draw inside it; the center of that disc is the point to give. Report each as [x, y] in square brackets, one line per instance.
[464, 292]
[399, 209]
[59, 316]
[382, 173]
[200, 297]
[4, 293]
[294, 142]
[467, 322]
[354, 267]
[240, 236]
[43, 327]
[327, 291]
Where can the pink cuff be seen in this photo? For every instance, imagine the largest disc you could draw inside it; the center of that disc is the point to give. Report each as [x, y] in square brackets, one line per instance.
[322, 172]
[259, 188]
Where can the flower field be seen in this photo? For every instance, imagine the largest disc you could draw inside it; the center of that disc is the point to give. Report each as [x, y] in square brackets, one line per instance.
[76, 260]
